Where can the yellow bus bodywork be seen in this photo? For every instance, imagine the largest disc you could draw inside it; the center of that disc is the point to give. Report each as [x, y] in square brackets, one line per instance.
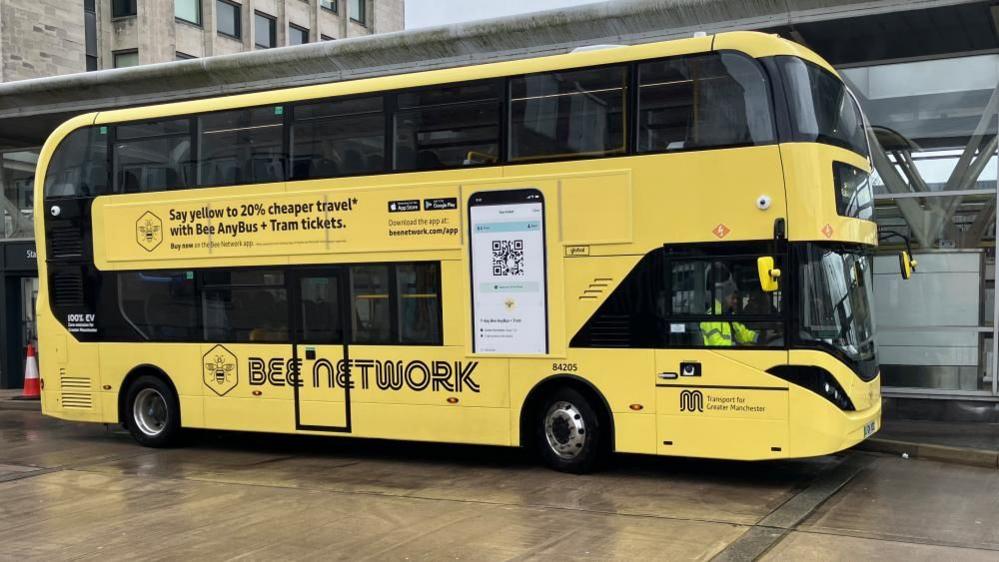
[601, 217]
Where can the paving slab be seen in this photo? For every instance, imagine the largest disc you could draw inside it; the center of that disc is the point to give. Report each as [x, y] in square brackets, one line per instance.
[804, 547]
[730, 492]
[30, 439]
[916, 501]
[86, 515]
[9, 400]
[968, 435]
[83, 491]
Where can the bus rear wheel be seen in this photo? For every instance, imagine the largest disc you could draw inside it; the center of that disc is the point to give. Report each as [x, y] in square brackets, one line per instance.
[569, 436]
[152, 412]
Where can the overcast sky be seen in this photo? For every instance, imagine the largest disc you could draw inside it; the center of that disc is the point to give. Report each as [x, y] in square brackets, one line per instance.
[425, 13]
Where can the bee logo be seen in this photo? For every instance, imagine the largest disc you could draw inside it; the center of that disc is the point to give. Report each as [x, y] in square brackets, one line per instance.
[221, 371]
[149, 231]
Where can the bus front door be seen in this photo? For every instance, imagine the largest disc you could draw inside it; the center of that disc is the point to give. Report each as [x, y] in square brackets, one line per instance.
[322, 391]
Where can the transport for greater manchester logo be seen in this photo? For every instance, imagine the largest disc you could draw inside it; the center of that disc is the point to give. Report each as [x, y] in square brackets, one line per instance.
[221, 370]
[149, 231]
[691, 401]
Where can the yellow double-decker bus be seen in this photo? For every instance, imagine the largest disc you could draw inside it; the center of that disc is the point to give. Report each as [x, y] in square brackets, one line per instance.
[659, 249]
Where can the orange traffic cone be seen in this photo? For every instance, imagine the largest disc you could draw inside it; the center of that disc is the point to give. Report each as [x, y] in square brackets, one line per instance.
[31, 389]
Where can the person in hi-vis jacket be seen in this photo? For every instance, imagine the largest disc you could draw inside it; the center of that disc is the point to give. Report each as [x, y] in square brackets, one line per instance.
[726, 333]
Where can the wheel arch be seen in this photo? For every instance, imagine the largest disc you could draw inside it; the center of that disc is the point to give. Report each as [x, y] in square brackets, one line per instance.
[133, 375]
[535, 398]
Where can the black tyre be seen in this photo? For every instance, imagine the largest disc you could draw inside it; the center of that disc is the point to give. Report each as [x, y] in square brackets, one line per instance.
[152, 412]
[569, 434]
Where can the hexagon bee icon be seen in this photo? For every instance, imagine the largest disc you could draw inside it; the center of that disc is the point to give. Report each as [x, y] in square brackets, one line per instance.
[149, 231]
[221, 373]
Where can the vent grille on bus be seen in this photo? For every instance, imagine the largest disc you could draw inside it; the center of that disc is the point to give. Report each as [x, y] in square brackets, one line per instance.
[610, 330]
[65, 242]
[77, 400]
[74, 383]
[596, 288]
[67, 289]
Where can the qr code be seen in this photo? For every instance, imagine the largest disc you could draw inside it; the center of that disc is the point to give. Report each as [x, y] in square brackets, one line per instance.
[508, 257]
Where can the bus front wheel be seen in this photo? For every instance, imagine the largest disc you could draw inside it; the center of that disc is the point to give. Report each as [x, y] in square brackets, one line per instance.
[153, 412]
[569, 435]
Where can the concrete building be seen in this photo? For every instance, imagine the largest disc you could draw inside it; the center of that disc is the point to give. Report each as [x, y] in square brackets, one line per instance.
[925, 72]
[42, 38]
[46, 38]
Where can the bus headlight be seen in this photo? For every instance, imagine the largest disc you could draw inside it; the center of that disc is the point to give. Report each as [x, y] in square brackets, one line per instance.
[817, 380]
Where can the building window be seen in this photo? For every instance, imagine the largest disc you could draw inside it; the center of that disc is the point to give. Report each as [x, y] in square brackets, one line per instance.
[297, 35]
[124, 59]
[330, 5]
[183, 56]
[90, 34]
[326, 38]
[228, 19]
[17, 179]
[122, 8]
[187, 10]
[266, 30]
[358, 11]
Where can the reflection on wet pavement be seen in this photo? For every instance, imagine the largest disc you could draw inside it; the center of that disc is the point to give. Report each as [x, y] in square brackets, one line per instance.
[85, 491]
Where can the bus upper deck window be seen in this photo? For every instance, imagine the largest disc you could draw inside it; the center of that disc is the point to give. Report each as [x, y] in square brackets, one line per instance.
[241, 146]
[568, 114]
[338, 138]
[439, 127]
[702, 101]
[78, 167]
[821, 107]
[153, 155]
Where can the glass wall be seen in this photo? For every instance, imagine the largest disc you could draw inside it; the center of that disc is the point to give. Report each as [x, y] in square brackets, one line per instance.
[933, 135]
[17, 176]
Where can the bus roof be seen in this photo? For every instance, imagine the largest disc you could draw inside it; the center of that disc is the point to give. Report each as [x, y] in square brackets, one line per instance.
[754, 44]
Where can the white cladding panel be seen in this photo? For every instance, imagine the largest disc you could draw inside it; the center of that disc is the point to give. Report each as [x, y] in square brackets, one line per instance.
[943, 293]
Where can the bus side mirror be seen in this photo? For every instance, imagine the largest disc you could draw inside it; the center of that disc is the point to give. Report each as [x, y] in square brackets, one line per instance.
[769, 275]
[907, 264]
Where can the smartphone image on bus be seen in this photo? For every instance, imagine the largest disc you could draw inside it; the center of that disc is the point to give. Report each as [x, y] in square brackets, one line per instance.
[509, 272]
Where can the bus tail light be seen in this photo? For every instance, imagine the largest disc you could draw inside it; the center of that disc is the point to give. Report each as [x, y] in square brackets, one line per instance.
[816, 379]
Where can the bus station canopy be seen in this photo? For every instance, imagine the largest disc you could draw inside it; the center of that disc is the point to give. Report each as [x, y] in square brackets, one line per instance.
[31, 109]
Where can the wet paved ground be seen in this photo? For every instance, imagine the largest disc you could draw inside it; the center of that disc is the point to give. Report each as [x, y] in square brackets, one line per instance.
[79, 491]
[982, 436]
